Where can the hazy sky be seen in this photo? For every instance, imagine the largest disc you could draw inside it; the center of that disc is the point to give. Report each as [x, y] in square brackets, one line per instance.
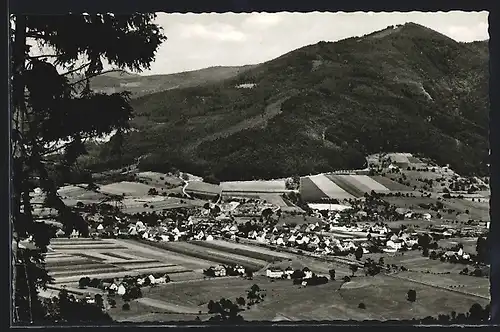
[198, 41]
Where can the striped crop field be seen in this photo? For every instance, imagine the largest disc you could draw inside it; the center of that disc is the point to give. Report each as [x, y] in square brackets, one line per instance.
[310, 192]
[190, 249]
[244, 250]
[84, 247]
[367, 181]
[347, 183]
[390, 184]
[330, 188]
[72, 259]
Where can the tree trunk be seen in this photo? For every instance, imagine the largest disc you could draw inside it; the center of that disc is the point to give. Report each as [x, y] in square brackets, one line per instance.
[19, 104]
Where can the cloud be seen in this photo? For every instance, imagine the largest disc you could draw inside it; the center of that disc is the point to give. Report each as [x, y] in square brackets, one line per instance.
[262, 20]
[215, 31]
[469, 33]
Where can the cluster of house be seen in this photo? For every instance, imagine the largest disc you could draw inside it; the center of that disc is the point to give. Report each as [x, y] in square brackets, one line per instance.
[223, 270]
[278, 273]
[121, 287]
[458, 255]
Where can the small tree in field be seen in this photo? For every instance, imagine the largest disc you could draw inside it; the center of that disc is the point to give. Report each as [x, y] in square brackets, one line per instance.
[353, 268]
[332, 274]
[411, 295]
[359, 253]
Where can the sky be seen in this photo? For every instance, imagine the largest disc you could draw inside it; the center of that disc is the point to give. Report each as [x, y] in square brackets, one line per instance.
[198, 41]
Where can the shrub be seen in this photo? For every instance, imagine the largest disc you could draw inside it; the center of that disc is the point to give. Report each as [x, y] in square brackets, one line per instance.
[361, 306]
[126, 307]
[412, 295]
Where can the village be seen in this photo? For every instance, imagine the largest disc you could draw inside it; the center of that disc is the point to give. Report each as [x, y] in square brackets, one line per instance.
[273, 230]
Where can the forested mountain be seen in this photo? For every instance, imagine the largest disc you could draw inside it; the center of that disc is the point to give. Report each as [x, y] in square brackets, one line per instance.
[406, 88]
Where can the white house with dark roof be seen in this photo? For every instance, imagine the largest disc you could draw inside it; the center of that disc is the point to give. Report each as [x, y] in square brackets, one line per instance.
[274, 273]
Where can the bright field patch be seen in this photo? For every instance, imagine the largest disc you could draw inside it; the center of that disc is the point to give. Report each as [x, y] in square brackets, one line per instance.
[330, 188]
[254, 186]
[127, 188]
[203, 188]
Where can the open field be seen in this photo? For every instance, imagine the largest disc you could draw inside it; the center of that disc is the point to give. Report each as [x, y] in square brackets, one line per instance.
[413, 178]
[414, 261]
[384, 297]
[127, 188]
[477, 210]
[215, 256]
[346, 183]
[390, 184]
[454, 281]
[330, 188]
[203, 188]
[310, 191]
[160, 179]
[79, 192]
[244, 250]
[156, 203]
[271, 186]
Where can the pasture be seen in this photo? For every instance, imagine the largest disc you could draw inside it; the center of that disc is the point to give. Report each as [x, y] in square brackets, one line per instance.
[126, 188]
[384, 297]
[454, 281]
[390, 184]
[202, 188]
[156, 203]
[160, 179]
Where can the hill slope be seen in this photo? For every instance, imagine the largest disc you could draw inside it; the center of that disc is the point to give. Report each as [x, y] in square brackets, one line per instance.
[143, 85]
[324, 106]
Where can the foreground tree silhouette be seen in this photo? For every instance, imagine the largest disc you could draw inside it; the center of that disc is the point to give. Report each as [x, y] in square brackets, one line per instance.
[55, 112]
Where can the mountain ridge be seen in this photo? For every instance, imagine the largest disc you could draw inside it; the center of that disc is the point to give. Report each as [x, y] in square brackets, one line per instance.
[401, 88]
[140, 85]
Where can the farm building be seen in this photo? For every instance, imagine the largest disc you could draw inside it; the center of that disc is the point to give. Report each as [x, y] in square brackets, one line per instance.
[219, 271]
[121, 289]
[274, 273]
[308, 273]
